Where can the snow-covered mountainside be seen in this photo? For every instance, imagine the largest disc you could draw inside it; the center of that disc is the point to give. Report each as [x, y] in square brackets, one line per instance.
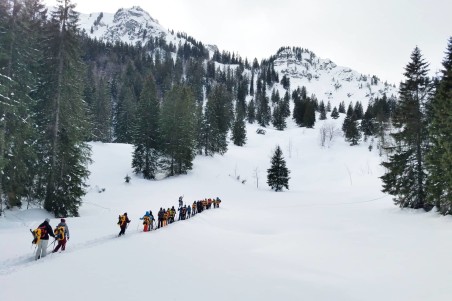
[321, 77]
[328, 81]
[127, 25]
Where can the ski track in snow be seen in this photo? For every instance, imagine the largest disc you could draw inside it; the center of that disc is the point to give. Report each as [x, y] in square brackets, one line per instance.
[16, 264]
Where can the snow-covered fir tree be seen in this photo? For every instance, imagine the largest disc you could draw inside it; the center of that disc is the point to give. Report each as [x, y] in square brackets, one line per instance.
[278, 174]
[405, 176]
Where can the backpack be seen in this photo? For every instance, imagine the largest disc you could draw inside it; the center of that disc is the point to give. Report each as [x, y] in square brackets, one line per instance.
[59, 232]
[38, 234]
[147, 220]
[122, 220]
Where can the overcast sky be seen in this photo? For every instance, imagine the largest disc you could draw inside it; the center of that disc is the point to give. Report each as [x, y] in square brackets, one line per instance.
[369, 36]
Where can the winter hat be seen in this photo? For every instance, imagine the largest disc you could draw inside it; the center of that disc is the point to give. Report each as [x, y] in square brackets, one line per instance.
[63, 220]
[47, 220]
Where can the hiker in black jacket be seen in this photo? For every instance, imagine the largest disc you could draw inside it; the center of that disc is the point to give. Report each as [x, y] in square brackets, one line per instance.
[160, 218]
[123, 223]
[46, 231]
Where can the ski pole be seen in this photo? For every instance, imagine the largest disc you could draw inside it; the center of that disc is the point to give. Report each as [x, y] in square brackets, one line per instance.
[51, 244]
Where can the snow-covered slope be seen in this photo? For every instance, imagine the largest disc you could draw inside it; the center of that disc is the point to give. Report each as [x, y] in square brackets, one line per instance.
[126, 25]
[332, 236]
[328, 81]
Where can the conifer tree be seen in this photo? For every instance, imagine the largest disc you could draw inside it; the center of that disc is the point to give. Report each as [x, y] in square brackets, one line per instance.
[146, 135]
[367, 124]
[278, 118]
[278, 174]
[178, 124]
[285, 82]
[61, 115]
[335, 113]
[342, 107]
[239, 129]
[300, 103]
[350, 127]
[251, 112]
[263, 111]
[275, 98]
[309, 114]
[124, 115]
[405, 177]
[102, 112]
[286, 105]
[218, 115]
[439, 157]
[252, 84]
[21, 26]
[358, 110]
[322, 110]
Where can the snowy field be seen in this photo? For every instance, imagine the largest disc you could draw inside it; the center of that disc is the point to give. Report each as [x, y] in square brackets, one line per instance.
[333, 236]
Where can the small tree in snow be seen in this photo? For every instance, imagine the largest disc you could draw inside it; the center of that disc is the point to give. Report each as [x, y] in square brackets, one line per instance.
[278, 174]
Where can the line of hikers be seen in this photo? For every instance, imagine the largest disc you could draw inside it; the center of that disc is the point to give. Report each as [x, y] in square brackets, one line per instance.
[42, 234]
[167, 216]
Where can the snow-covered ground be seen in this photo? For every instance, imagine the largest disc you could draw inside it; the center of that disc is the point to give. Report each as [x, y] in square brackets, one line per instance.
[332, 236]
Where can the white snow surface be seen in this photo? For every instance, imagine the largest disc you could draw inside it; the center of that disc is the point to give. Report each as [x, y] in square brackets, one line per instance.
[332, 236]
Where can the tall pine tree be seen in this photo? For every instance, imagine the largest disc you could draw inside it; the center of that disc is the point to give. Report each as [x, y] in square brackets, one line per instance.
[439, 158]
[147, 132]
[218, 118]
[405, 177]
[61, 115]
[178, 124]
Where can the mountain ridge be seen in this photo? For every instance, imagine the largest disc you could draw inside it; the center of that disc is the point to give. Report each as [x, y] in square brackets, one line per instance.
[322, 77]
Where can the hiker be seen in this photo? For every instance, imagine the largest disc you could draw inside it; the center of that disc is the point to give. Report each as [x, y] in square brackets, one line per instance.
[165, 218]
[193, 209]
[123, 223]
[43, 232]
[182, 212]
[160, 218]
[188, 211]
[180, 201]
[217, 202]
[152, 219]
[62, 235]
[146, 221]
[172, 214]
[199, 206]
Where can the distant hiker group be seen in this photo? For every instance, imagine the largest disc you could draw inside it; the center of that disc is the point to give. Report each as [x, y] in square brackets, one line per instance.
[167, 216]
[44, 231]
[60, 234]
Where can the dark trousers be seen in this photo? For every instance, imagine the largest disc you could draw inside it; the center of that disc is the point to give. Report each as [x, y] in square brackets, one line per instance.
[61, 244]
[123, 230]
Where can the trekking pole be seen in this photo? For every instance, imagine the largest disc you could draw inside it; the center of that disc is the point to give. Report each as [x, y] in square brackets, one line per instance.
[51, 244]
